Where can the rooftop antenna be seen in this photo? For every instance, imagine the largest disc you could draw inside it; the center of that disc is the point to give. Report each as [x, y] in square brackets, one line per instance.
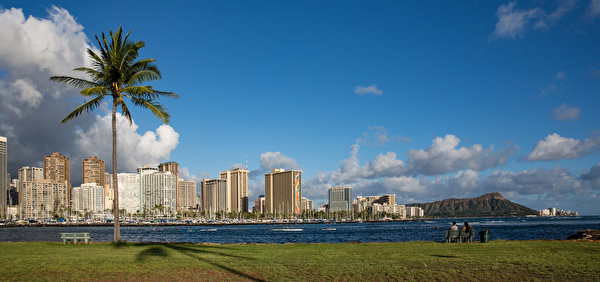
[246, 160]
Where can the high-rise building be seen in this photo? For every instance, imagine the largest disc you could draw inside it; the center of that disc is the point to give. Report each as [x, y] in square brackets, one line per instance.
[43, 198]
[187, 194]
[88, 197]
[157, 191]
[57, 168]
[259, 204]
[237, 189]
[283, 192]
[4, 181]
[172, 167]
[129, 193]
[93, 171]
[340, 199]
[27, 174]
[214, 195]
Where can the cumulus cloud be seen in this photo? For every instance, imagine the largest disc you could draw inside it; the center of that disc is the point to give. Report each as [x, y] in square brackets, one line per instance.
[368, 90]
[566, 112]
[443, 156]
[536, 188]
[514, 23]
[410, 180]
[133, 149]
[31, 109]
[31, 50]
[271, 160]
[555, 147]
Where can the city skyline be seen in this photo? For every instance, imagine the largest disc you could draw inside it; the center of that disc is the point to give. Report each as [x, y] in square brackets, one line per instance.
[423, 101]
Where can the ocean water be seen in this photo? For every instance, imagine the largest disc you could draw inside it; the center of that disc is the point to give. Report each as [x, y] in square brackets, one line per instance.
[517, 228]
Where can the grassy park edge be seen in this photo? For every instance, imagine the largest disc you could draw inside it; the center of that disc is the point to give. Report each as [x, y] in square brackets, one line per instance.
[496, 260]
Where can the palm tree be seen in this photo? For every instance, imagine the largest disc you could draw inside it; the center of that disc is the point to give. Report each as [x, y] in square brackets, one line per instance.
[117, 74]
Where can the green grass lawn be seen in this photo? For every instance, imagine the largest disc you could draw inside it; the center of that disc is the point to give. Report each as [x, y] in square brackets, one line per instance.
[497, 260]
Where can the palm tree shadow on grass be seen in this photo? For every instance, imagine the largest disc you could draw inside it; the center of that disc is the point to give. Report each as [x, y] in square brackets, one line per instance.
[197, 252]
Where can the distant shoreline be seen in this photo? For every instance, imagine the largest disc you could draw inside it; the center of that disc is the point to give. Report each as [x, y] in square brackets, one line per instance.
[126, 224]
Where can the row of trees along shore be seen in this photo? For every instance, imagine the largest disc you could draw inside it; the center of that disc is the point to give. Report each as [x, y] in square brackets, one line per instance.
[117, 74]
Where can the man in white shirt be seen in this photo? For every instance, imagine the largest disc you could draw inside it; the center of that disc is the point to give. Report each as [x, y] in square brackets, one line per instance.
[454, 227]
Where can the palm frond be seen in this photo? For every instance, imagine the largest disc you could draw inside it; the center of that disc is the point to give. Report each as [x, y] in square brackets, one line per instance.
[85, 107]
[74, 81]
[125, 111]
[142, 76]
[98, 90]
[157, 109]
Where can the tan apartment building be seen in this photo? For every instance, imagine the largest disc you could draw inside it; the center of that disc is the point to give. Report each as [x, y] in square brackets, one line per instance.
[92, 171]
[57, 168]
[214, 195]
[283, 192]
[42, 198]
[186, 196]
[237, 189]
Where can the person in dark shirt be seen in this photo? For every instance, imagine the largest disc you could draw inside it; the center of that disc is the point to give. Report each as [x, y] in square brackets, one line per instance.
[466, 228]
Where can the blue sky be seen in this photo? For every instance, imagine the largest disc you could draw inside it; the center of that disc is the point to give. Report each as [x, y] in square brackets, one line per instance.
[351, 92]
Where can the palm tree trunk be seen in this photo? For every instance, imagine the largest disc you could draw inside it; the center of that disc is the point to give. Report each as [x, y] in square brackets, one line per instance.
[115, 178]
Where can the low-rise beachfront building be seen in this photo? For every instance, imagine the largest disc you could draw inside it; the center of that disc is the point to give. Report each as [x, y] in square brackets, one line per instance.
[259, 205]
[415, 212]
[307, 205]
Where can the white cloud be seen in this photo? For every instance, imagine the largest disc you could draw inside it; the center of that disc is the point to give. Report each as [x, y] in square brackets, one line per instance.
[184, 172]
[31, 107]
[366, 90]
[514, 23]
[566, 112]
[593, 10]
[555, 147]
[443, 156]
[388, 174]
[271, 160]
[133, 149]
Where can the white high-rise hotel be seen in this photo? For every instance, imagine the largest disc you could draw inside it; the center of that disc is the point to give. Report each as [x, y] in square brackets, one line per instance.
[88, 197]
[158, 190]
[148, 191]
